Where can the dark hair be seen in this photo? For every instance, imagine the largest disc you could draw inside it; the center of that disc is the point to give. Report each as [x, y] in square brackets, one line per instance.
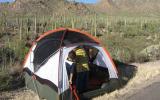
[72, 56]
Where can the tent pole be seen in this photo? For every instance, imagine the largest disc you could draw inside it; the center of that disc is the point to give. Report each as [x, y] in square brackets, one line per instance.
[64, 33]
[61, 54]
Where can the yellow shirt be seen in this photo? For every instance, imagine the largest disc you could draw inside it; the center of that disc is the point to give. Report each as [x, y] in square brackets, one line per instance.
[82, 60]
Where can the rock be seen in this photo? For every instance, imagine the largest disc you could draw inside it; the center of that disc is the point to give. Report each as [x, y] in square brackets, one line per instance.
[151, 52]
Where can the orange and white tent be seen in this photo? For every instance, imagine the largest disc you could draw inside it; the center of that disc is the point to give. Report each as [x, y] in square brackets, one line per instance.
[46, 61]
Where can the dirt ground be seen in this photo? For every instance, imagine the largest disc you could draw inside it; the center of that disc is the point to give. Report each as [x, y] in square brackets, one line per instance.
[147, 74]
[21, 94]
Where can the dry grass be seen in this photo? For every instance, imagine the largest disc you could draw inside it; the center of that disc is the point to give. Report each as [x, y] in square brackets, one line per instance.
[146, 72]
[28, 95]
[21, 94]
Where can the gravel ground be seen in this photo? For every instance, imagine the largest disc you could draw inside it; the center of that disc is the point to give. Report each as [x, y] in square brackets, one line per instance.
[21, 94]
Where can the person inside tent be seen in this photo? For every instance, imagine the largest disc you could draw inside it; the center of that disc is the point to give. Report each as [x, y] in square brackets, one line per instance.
[71, 67]
[92, 54]
[82, 68]
[72, 73]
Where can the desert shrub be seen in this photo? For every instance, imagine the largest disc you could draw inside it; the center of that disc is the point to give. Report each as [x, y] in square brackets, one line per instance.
[6, 55]
[141, 58]
[122, 54]
[10, 82]
[101, 25]
[150, 27]
[130, 32]
[152, 52]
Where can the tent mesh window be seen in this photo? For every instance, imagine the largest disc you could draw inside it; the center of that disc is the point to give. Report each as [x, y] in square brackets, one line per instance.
[45, 48]
[43, 52]
[75, 37]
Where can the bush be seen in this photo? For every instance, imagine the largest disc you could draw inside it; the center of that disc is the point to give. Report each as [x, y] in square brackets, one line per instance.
[6, 55]
[151, 52]
[141, 58]
[10, 82]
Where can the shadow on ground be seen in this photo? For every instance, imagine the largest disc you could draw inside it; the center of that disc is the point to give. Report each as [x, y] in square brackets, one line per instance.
[125, 71]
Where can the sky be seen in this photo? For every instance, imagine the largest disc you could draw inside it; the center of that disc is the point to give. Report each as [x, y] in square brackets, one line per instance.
[84, 1]
[87, 1]
[6, 0]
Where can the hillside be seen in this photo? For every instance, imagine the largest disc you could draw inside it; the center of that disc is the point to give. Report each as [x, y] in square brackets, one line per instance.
[139, 5]
[64, 7]
[104, 5]
[142, 7]
[49, 7]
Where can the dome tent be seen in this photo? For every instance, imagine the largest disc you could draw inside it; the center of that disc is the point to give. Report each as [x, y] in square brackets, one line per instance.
[46, 62]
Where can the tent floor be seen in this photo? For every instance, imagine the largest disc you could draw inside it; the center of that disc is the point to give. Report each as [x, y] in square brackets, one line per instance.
[102, 89]
[97, 76]
[99, 83]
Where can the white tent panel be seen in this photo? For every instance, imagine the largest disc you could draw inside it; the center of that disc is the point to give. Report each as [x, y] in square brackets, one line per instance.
[49, 70]
[103, 60]
[65, 84]
[29, 61]
[100, 61]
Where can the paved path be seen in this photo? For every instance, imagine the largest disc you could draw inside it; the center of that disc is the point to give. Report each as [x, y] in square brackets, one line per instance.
[151, 92]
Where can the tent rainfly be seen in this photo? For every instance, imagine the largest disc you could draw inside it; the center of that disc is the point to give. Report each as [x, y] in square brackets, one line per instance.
[45, 70]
